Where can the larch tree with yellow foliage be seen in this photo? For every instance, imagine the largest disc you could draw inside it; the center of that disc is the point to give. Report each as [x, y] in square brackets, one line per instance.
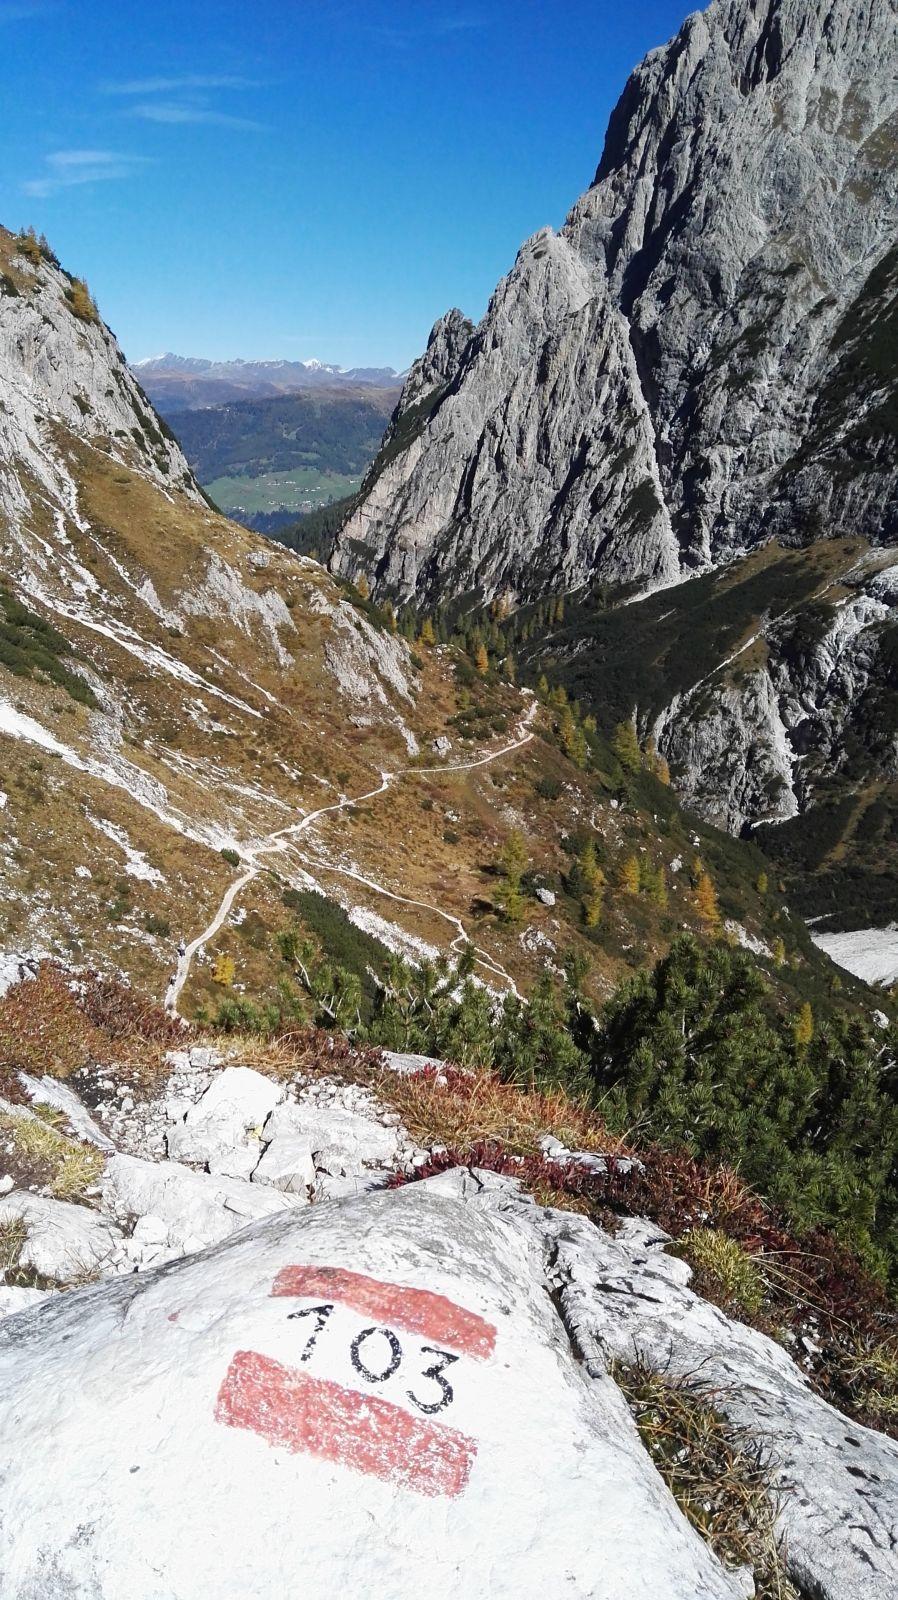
[224, 971]
[706, 900]
[482, 660]
[427, 635]
[629, 876]
[803, 1026]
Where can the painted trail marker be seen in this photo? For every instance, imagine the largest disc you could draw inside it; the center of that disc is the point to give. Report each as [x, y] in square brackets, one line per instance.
[386, 1436]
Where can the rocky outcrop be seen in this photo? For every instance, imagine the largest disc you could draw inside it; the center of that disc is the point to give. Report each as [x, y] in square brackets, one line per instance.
[409, 1398]
[817, 711]
[63, 371]
[671, 379]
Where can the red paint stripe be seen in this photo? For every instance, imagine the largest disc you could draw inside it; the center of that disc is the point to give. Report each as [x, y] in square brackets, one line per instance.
[293, 1410]
[416, 1310]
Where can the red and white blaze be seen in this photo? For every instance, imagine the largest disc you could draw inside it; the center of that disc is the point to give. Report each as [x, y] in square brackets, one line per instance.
[372, 1383]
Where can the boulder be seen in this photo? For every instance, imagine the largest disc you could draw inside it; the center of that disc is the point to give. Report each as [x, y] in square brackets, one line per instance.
[50, 1092]
[194, 1208]
[222, 1129]
[287, 1164]
[355, 1142]
[332, 1403]
[838, 1512]
[63, 1242]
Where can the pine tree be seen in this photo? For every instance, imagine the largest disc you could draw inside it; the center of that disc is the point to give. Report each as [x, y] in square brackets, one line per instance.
[542, 686]
[656, 763]
[654, 882]
[778, 952]
[625, 745]
[514, 859]
[629, 875]
[706, 901]
[511, 671]
[482, 660]
[28, 244]
[390, 617]
[803, 1026]
[573, 742]
[427, 636]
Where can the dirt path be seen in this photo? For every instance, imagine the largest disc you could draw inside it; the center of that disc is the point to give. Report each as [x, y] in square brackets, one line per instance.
[280, 841]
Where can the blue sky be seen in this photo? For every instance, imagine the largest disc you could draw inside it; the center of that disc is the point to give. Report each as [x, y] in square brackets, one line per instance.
[287, 178]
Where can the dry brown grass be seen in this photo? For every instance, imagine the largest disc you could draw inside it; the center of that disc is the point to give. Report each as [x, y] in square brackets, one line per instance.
[472, 1109]
[718, 1475]
[35, 1154]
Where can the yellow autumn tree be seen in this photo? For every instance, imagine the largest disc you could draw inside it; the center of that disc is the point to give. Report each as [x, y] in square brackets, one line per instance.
[482, 660]
[224, 971]
[762, 883]
[778, 952]
[625, 745]
[592, 909]
[81, 301]
[706, 900]
[427, 635]
[803, 1026]
[362, 587]
[629, 875]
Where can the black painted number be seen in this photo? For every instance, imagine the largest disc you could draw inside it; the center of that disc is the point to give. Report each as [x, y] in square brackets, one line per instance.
[321, 1314]
[362, 1368]
[432, 1374]
[435, 1374]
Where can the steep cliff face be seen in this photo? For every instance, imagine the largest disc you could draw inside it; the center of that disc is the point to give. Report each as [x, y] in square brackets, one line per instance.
[689, 367]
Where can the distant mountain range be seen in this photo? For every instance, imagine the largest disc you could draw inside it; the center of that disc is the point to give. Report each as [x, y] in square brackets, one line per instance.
[188, 383]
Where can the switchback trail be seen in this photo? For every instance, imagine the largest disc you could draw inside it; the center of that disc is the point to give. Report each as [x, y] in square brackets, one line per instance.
[280, 841]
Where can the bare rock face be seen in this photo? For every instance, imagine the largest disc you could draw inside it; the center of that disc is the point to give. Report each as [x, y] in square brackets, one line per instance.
[335, 1398]
[62, 370]
[673, 378]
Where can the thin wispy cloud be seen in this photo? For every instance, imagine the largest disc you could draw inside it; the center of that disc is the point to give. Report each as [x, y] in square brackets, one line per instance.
[174, 113]
[69, 169]
[191, 99]
[437, 27]
[185, 84]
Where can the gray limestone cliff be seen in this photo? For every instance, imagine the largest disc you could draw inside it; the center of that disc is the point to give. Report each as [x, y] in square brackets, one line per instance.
[694, 363]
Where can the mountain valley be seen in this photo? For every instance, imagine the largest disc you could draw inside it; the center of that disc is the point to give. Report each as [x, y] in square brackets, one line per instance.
[467, 912]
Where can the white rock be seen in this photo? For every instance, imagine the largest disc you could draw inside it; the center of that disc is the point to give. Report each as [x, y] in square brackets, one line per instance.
[14, 1300]
[235, 1106]
[6, 1183]
[49, 1091]
[287, 1164]
[408, 1065]
[63, 1242]
[837, 1482]
[196, 1208]
[195, 1424]
[545, 896]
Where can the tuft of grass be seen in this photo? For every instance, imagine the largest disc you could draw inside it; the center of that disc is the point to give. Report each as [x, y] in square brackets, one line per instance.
[717, 1473]
[64, 1167]
[870, 1373]
[13, 1235]
[723, 1271]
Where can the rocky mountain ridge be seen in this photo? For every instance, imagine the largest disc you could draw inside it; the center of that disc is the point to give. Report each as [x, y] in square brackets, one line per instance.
[185, 383]
[661, 386]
